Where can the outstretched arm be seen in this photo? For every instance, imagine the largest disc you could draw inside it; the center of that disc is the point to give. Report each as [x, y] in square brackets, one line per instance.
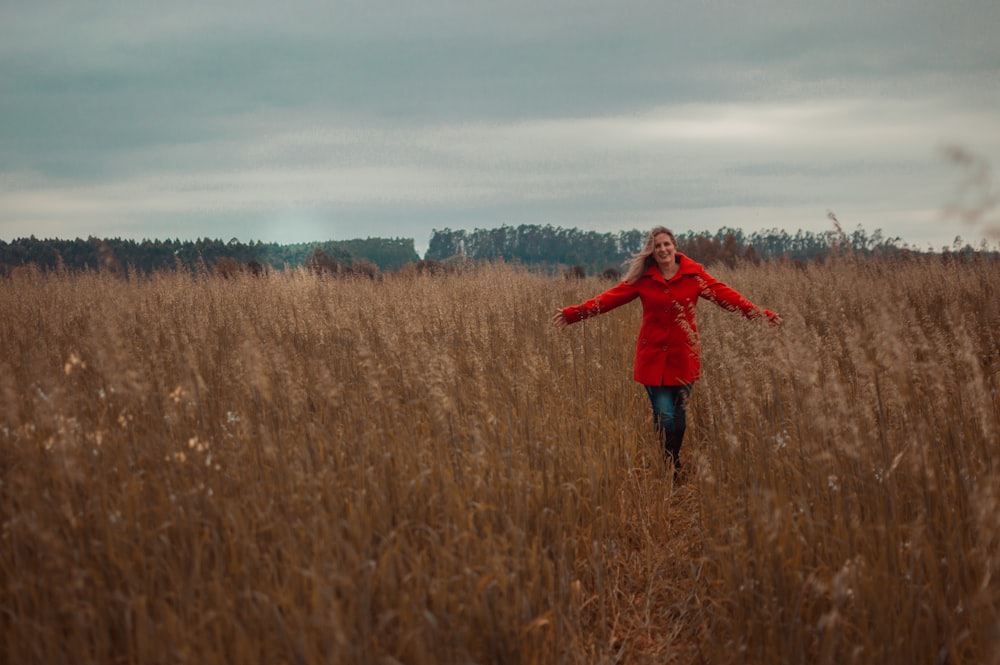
[730, 299]
[607, 301]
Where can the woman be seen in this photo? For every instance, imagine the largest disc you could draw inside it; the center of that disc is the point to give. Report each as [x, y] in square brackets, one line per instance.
[667, 351]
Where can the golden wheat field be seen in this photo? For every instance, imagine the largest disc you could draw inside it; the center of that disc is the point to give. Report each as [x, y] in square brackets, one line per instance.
[297, 469]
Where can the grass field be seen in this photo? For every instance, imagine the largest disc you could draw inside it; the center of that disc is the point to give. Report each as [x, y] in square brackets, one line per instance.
[421, 470]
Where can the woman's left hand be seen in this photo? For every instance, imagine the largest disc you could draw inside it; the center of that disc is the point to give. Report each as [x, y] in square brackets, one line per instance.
[559, 320]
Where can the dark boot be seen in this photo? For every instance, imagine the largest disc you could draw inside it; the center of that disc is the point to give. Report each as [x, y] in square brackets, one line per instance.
[672, 448]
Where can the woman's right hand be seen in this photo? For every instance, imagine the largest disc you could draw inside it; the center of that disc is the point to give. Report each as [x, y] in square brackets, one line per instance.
[559, 320]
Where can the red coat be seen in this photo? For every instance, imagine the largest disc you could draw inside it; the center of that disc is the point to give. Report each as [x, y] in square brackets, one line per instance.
[667, 351]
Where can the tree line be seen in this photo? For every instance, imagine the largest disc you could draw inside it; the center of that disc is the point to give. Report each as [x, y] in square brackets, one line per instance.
[146, 256]
[548, 248]
[594, 252]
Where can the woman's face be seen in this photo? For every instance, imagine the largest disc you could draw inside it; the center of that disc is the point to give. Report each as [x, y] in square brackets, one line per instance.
[664, 250]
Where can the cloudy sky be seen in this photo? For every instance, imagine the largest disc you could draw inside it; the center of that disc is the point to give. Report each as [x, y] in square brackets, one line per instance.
[296, 121]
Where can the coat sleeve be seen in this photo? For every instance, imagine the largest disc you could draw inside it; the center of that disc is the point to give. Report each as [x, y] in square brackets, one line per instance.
[728, 298]
[605, 302]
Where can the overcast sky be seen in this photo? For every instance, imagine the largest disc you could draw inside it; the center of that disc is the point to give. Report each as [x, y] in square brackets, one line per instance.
[296, 121]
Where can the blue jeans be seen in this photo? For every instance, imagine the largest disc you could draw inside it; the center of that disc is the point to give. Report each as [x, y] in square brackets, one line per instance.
[669, 406]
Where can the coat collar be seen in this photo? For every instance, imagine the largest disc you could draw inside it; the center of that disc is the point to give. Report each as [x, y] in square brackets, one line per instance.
[687, 266]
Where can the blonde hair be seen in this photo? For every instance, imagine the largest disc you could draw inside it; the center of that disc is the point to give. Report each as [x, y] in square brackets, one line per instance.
[644, 257]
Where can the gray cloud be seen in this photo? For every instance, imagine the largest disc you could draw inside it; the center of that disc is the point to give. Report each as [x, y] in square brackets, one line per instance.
[233, 118]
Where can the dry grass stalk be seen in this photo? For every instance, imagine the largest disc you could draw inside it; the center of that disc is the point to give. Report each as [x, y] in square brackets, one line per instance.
[419, 470]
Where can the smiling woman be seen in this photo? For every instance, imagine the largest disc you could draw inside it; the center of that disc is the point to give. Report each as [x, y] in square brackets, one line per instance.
[667, 354]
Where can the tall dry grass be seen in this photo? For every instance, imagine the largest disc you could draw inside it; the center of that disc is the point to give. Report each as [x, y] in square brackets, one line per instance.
[421, 470]
[850, 487]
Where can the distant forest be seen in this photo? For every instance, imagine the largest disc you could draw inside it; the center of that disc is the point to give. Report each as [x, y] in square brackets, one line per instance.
[146, 256]
[596, 252]
[546, 248]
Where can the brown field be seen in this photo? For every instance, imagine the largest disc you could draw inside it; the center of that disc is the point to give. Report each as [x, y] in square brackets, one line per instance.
[421, 470]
